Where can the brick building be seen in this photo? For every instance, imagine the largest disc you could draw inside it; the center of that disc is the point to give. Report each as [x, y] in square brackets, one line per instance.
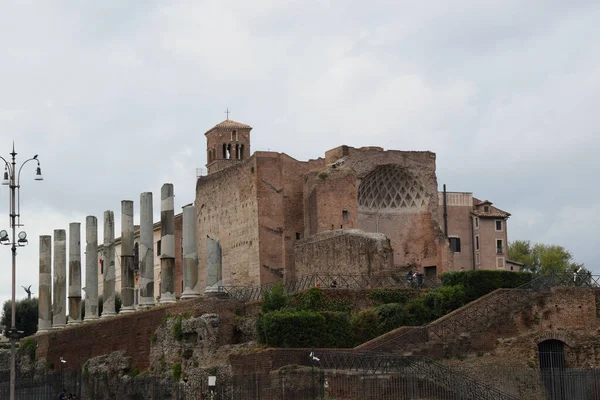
[477, 232]
[268, 210]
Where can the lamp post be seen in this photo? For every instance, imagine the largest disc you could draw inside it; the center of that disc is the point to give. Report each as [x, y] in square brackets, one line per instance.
[12, 179]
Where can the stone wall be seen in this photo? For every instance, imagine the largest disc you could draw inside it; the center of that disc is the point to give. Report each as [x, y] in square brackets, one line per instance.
[392, 192]
[280, 218]
[227, 209]
[344, 252]
[130, 333]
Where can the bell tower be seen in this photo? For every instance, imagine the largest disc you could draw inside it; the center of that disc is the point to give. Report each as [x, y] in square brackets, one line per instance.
[227, 143]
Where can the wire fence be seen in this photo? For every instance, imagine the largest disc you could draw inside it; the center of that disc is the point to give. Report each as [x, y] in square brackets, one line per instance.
[319, 383]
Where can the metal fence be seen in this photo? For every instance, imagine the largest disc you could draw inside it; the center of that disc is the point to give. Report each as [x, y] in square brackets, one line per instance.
[387, 279]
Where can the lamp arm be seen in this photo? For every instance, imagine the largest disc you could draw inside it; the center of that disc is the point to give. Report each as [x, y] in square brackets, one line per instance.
[7, 164]
[18, 186]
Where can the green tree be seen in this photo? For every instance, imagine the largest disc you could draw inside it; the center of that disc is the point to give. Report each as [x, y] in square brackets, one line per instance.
[542, 258]
[26, 316]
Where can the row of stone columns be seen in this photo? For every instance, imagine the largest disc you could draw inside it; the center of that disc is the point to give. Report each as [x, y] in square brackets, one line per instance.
[52, 310]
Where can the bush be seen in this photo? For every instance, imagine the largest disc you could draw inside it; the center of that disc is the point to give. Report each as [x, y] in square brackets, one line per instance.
[387, 296]
[311, 300]
[337, 327]
[274, 299]
[392, 316]
[176, 369]
[365, 325]
[291, 329]
[478, 283]
[29, 346]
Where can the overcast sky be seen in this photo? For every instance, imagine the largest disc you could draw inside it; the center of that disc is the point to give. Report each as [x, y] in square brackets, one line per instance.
[115, 97]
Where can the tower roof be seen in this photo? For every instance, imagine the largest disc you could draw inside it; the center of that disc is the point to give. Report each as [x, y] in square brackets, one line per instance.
[228, 124]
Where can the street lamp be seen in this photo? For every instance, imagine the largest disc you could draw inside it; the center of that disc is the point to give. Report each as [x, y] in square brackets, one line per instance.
[12, 179]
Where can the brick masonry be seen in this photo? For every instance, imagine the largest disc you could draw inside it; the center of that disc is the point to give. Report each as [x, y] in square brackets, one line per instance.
[130, 333]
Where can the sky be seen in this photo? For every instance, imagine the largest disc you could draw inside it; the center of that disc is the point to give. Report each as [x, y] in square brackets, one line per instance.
[115, 98]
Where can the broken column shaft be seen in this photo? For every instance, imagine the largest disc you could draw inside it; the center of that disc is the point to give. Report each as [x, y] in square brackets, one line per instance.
[146, 252]
[59, 315]
[108, 276]
[213, 266]
[190, 254]
[74, 273]
[167, 256]
[45, 285]
[91, 268]
[127, 257]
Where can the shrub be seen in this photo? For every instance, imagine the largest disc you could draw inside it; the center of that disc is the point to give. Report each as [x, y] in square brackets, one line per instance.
[386, 296]
[478, 283]
[337, 327]
[176, 369]
[274, 299]
[392, 316]
[311, 300]
[291, 329]
[28, 346]
[365, 325]
[177, 329]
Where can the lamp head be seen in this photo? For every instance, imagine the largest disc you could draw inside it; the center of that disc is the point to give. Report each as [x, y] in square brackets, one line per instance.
[38, 174]
[3, 236]
[5, 181]
[22, 238]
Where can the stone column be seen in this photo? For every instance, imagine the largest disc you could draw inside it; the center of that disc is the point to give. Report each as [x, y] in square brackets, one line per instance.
[213, 266]
[190, 254]
[146, 254]
[127, 257]
[167, 254]
[74, 273]
[108, 278]
[59, 306]
[45, 289]
[91, 268]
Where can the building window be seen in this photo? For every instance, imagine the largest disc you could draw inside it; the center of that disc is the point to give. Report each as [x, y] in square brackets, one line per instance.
[101, 267]
[498, 225]
[477, 258]
[297, 235]
[500, 262]
[486, 208]
[476, 242]
[499, 246]
[345, 216]
[476, 222]
[455, 244]
[158, 248]
[234, 136]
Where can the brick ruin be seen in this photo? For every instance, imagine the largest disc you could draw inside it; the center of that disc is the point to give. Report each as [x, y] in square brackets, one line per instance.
[266, 208]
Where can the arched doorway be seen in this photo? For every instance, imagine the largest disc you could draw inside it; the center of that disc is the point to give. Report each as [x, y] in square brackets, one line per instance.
[551, 355]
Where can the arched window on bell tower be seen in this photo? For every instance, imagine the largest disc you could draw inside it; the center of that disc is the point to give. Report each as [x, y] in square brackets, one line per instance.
[224, 151]
[241, 152]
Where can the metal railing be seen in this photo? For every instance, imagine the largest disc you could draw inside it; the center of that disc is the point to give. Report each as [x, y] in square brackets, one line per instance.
[386, 279]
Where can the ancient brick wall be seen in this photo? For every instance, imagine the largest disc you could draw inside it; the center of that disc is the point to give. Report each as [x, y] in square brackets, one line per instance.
[330, 200]
[393, 192]
[344, 252]
[130, 333]
[459, 206]
[227, 210]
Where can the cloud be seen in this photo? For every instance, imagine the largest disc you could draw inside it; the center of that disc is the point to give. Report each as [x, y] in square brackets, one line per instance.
[115, 98]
